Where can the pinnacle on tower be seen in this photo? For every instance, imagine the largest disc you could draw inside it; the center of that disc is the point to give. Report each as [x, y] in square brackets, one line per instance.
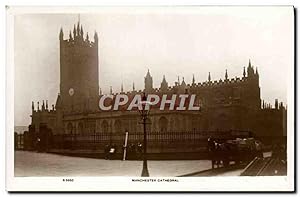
[183, 82]
[133, 88]
[148, 73]
[164, 84]
[70, 35]
[61, 34]
[122, 88]
[74, 32]
[193, 80]
[43, 106]
[38, 107]
[209, 78]
[250, 70]
[81, 31]
[78, 29]
[87, 36]
[58, 103]
[111, 90]
[226, 75]
[244, 72]
[32, 106]
[47, 104]
[96, 37]
[148, 81]
[276, 104]
[164, 79]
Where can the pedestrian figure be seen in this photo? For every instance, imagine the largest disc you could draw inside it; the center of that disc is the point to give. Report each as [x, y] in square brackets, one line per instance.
[218, 154]
[258, 148]
[140, 150]
[106, 151]
[212, 148]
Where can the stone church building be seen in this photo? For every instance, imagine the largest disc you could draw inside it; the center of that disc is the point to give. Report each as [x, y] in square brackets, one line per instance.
[226, 104]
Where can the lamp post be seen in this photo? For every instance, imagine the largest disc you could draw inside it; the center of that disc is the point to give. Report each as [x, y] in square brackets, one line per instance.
[72, 137]
[144, 116]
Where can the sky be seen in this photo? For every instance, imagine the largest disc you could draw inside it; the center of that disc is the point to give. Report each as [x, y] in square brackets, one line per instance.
[170, 41]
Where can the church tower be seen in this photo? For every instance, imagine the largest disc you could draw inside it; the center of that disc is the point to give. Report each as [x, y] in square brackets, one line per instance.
[79, 83]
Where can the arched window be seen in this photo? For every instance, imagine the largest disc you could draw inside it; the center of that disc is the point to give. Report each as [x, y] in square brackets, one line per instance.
[194, 124]
[92, 126]
[70, 128]
[104, 126]
[118, 126]
[149, 125]
[223, 122]
[163, 124]
[177, 124]
[80, 128]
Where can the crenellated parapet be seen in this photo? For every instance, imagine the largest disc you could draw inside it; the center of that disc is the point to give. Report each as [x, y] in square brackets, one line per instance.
[179, 87]
[78, 38]
[205, 84]
[242, 90]
[278, 106]
[43, 109]
[220, 82]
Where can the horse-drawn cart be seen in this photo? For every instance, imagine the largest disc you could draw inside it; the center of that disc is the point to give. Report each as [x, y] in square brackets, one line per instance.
[240, 151]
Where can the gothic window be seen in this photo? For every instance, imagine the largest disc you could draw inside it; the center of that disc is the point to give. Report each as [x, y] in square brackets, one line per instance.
[149, 125]
[133, 125]
[220, 97]
[92, 126]
[201, 103]
[223, 122]
[104, 126]
[118, 126]
[171, 124]
[80, 128]
[163, 124]
[176, 124]
[194, 124]
[69, 128]
[52, 122]
[236, 92]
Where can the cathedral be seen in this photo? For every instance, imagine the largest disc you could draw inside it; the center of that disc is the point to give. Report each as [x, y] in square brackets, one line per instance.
[228, 104]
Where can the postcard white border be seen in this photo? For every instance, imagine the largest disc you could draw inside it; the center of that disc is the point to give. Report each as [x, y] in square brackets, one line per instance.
[285, 183]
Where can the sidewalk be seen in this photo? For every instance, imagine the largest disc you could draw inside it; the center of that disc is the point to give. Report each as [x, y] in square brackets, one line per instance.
[34, 164]
[96, 153]
[233, 170]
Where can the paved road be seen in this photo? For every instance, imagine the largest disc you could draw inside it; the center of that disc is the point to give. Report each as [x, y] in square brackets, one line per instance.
[44, 164]
[229, 171]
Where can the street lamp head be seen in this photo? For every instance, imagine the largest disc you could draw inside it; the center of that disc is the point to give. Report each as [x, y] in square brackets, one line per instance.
[144, 97]
[145, 105]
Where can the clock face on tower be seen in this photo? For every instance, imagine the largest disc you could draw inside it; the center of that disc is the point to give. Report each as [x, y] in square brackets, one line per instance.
[71, 91]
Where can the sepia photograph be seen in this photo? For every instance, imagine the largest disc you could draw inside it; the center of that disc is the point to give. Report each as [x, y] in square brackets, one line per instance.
[150, 98]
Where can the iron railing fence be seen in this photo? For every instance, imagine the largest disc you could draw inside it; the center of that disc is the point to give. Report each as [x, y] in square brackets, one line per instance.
[178, 141]
[156, 141]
